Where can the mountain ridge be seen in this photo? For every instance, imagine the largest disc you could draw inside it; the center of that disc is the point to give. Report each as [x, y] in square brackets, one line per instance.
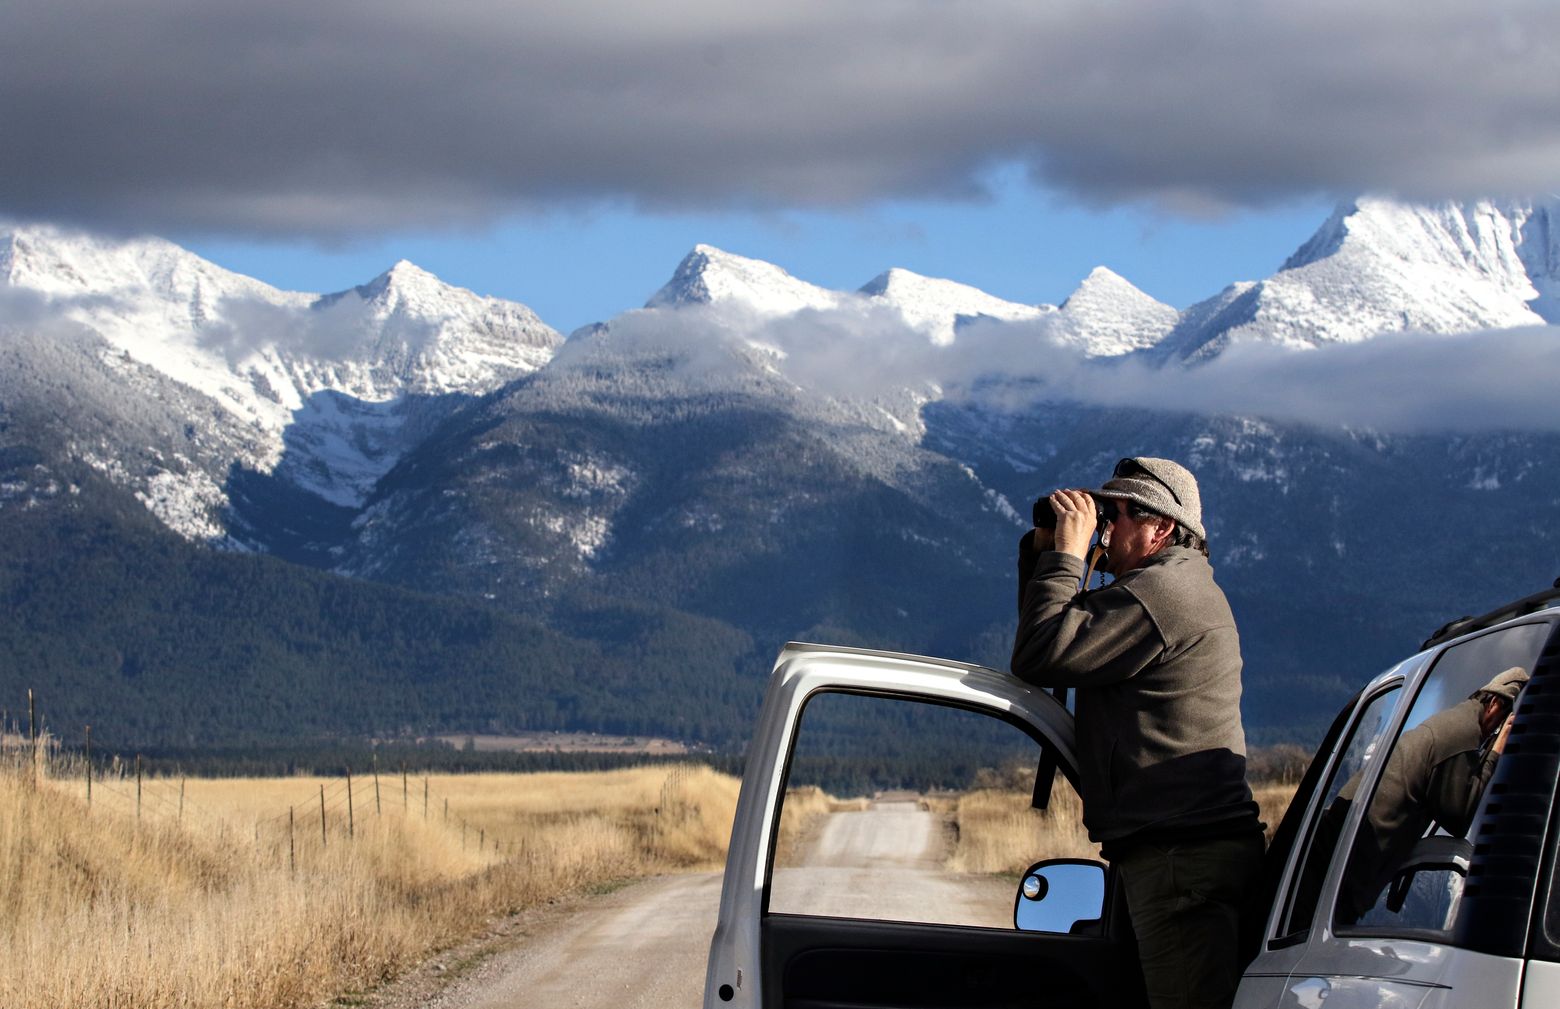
[701, 470]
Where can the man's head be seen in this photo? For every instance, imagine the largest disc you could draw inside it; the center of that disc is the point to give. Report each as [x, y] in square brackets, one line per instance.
[1157, 505]
[1499, 697]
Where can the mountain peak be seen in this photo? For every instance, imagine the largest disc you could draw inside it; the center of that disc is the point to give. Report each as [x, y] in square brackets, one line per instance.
[1379, 265]
[938, 307]
[405, 280]
[1102, 281]
[1107, 316]
[708, 276]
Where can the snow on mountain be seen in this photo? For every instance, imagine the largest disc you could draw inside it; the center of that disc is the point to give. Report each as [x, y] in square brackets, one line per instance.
[1107, 316]
[1380, 266]
[709, 276]
[938, 307]
[419, 335]
[330, 384]
[149, 299]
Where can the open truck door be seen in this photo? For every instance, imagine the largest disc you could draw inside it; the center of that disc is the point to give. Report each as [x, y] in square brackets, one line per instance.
[907, 895]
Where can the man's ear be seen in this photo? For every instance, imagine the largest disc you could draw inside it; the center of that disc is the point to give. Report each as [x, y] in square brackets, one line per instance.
[1491, 715]
[1165, 531]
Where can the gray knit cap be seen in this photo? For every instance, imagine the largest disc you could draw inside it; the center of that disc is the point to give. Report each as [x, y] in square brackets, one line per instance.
[1163, 487]
[1506, 686]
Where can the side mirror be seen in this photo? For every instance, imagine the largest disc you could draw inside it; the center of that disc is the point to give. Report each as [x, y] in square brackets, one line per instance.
[1065, 895]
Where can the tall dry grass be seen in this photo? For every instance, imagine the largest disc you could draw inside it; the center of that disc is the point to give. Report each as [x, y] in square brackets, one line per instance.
[998, 831]
[227, 907]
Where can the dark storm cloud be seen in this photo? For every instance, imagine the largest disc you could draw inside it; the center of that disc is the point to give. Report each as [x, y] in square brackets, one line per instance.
[349, 117]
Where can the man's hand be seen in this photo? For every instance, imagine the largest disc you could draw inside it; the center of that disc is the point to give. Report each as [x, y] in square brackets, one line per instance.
[1075, 522]
[1505, 731]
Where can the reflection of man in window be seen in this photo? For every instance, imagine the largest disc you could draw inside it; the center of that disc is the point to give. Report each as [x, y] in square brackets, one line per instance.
[1436, 774]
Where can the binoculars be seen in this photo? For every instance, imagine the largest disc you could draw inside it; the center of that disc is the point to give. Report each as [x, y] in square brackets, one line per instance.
[1105, 510]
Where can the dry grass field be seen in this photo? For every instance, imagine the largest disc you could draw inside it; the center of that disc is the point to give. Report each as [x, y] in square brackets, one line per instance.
[997, 831]
[242, 893]
[224, 905]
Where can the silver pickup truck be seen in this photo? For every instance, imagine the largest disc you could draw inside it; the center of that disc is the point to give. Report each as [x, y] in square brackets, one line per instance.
[875, 914]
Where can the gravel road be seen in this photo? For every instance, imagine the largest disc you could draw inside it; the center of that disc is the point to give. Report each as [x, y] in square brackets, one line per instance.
[643, 947]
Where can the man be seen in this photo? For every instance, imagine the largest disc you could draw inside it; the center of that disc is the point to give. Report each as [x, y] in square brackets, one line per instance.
[1436, 774]
[1156, 662]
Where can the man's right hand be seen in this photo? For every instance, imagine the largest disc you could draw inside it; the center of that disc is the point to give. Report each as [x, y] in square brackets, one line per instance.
[1075, 522]
[1505, 732]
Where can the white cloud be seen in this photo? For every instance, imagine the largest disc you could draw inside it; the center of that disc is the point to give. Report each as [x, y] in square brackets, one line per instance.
[1397, 382]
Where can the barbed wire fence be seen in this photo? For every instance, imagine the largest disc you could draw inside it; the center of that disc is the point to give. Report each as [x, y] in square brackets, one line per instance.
[331, 809]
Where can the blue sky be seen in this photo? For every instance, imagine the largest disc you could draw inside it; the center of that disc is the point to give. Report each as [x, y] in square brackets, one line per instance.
[567, 155]
[574, 268]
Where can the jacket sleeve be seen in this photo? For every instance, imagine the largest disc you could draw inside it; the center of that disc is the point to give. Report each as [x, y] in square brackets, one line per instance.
[1068, 638]
[1456, 787]
[1028, 557]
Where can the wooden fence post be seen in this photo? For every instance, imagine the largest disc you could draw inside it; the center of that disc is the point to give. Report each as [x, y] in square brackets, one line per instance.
[324, 841]
[425, 797]
[32, 734]
[405, 801]
[89, 765]
[351, 827]
[181, 801]
[292, 848]
[137, 786]
[377, 810]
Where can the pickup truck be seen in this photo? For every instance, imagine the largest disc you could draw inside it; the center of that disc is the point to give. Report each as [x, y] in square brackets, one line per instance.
[1463, 920]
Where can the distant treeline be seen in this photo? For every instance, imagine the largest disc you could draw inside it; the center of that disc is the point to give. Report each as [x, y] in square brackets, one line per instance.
[158, 643]
[361, 758]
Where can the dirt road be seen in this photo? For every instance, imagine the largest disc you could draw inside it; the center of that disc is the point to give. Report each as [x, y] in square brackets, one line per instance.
[886, 862]
[643, 947]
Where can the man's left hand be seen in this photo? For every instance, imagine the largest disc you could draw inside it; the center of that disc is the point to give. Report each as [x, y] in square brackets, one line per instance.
[1075, 522]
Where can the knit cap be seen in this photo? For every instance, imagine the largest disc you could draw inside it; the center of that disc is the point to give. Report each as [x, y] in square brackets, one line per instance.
[1506, 686]
[1163, 487]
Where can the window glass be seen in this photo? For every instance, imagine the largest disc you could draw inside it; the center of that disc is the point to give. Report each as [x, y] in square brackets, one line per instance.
[1365, 737]
[1409, 856]
[900, 810]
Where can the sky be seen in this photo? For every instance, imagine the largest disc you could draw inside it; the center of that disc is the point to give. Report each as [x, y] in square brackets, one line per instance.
[569, 155]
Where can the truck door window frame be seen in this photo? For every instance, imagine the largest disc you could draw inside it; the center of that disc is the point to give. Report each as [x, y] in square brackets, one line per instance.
[1428, 687]
[1375, 715]
[1033, 732]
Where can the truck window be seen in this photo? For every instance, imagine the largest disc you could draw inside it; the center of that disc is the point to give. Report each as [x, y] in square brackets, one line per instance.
[1410, 853]
[899, 810]
[1365, 737]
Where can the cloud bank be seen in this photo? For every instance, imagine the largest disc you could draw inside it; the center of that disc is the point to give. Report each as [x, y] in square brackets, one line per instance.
[1403, 383]
[351, 118]
[1409, 383]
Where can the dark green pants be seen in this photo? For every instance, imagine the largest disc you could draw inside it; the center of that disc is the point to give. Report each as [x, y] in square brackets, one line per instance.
[1185, 901]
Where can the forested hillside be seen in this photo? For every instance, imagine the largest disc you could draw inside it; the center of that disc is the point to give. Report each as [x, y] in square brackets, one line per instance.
[120, 624]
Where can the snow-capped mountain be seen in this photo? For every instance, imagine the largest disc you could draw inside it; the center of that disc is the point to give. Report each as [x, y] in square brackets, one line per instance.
[752, 457]
[938, 307]
[710, 276]
[1107, 317]
[1379, 266]
[325, 392]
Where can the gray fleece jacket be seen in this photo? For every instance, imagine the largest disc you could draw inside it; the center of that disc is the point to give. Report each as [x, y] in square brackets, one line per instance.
[1156, 661]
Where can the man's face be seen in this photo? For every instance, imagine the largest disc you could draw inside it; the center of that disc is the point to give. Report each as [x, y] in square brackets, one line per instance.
[1129, 541]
